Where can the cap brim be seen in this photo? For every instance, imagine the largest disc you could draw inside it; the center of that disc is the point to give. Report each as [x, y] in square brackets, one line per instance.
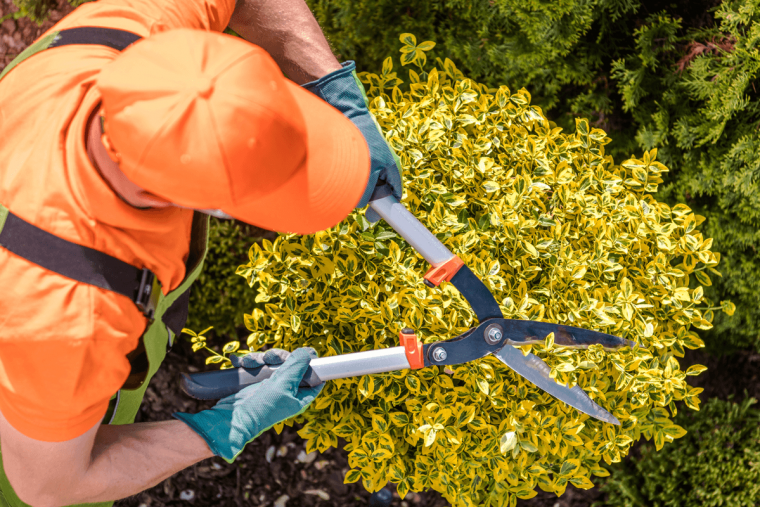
[327, 186]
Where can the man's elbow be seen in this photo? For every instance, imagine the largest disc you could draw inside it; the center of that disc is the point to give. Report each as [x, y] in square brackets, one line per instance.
[34, 492]
[42, 489]
[34, 496]
[47, 474]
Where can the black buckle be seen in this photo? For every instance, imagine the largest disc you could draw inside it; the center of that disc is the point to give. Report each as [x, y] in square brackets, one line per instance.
[148, 294]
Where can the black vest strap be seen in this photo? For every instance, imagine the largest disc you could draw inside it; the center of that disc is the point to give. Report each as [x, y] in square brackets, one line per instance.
[78, 262]
[117, 39]
[69, 259]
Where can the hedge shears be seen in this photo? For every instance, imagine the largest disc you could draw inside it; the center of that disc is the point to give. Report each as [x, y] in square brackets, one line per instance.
[494, 334]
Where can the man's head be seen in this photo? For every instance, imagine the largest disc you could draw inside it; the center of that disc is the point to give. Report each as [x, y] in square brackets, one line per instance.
[208, 121]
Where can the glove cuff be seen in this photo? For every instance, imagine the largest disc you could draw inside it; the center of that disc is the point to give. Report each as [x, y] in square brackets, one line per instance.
[190, 421]
[316, 86]
[343, 90]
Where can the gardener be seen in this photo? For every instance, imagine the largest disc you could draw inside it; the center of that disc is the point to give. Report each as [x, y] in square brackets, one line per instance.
[112, 138]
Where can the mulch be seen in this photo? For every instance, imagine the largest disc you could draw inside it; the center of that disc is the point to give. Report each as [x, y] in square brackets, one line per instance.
[274, 470]
[17, 34]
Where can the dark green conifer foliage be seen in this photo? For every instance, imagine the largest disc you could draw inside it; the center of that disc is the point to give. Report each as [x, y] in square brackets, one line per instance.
[561, 51]
[692, 94]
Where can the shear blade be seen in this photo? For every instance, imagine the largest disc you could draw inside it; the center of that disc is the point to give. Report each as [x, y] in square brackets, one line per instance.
[527, 332]
[533, 369]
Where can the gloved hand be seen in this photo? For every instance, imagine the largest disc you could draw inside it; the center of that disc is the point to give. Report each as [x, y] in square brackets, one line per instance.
[343, 90]
[239, 418]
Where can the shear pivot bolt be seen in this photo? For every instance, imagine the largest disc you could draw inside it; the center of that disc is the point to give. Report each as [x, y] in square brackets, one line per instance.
[439, 354]
[493, 334]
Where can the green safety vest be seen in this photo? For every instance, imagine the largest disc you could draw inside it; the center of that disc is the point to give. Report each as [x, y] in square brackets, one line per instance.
[165, 315]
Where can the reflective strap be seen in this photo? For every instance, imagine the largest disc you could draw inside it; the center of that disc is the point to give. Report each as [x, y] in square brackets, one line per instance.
[170, 343]
[30, 50]
[113, 405]
[3, 215]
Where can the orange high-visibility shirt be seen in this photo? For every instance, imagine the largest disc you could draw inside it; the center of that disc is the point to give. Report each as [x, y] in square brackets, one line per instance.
[63, 344]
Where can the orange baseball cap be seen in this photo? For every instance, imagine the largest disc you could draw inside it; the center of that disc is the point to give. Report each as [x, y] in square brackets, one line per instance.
[208, 121]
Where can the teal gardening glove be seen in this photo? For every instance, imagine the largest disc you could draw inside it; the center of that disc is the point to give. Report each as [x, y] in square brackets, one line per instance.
[343, 90]
[239, 418]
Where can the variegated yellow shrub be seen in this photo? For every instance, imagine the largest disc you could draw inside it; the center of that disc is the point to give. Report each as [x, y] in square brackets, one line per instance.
[558, 232]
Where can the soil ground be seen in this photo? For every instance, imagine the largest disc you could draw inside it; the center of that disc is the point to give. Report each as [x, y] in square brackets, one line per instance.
[274, 470]
[17, 34]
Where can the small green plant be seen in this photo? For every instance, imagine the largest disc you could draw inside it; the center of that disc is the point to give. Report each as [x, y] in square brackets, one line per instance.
[199, 341]
[21, 13]
[558, 232]
[36, 11]
[716, 464]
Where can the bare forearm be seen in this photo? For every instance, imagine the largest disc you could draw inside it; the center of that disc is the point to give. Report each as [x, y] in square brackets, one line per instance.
[287, 30]
[131, 458]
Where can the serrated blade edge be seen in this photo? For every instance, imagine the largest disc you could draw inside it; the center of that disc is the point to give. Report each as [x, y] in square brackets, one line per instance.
[534, 370]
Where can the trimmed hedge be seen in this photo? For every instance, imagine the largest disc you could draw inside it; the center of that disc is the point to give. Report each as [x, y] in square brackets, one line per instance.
[557, 231]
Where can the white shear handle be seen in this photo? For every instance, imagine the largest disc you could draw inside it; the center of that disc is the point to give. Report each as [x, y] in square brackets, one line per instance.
[416, 234]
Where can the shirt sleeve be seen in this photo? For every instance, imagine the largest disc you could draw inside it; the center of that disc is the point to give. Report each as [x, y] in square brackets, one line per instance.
[66, 356]
[145, 17]
[201, 14]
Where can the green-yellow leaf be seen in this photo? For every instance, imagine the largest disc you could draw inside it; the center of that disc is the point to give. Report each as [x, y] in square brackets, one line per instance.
[231, 347]
[507, 442]
[352, 476]
[569, 467]
[408, 39]
[695, 370]
[430, 437]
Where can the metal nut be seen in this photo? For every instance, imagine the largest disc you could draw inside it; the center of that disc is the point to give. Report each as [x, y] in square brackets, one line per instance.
[439, 354]
[493, 334]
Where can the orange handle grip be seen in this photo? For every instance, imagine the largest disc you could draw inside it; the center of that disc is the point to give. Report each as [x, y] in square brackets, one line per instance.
[446, 271]
[413, 348]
